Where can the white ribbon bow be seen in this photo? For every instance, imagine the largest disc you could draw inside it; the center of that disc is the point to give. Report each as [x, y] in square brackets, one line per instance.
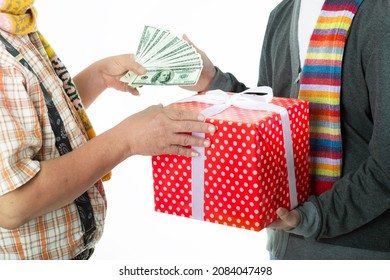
[221, 101]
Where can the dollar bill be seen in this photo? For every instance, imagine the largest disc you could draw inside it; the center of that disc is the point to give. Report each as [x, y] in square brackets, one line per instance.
[168, 59]
[166, 77]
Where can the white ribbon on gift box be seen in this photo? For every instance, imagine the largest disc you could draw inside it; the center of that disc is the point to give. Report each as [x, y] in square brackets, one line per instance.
[221, 101]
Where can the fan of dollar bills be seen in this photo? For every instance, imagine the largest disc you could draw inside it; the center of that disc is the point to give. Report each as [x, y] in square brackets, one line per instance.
[168, 59]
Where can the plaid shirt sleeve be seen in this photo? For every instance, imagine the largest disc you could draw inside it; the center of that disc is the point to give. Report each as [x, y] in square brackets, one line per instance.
[20, 133]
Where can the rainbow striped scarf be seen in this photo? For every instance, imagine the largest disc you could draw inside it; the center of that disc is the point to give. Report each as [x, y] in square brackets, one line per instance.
[321, 85]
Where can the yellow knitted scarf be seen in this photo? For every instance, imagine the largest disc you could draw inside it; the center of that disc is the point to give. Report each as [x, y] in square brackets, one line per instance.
[19, 17]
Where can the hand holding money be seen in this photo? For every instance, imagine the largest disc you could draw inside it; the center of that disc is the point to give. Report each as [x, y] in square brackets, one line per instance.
[168, 59]
[208, 72]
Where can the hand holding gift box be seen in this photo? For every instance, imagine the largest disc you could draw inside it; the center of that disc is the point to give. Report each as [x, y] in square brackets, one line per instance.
[258, 161]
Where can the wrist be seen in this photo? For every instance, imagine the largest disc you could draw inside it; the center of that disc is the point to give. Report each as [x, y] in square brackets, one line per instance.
[126, 133]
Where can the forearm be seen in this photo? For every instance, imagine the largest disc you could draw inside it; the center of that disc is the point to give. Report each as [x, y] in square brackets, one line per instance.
[89, 83]
[153, 131]
[63, 179]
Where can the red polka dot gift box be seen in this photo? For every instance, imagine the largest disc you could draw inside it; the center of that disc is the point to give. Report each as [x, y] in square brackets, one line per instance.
[258, 161]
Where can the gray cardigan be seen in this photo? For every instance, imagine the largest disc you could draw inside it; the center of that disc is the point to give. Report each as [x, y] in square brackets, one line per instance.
[351, 221]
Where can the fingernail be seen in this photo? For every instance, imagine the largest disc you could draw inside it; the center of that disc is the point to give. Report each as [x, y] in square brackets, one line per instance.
[281, 212]
[194, 154]
[207, 143]
[142, 70]
[201, 117]
[211, 128]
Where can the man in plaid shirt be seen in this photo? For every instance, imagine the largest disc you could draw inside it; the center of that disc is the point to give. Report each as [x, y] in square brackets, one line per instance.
[39, 218]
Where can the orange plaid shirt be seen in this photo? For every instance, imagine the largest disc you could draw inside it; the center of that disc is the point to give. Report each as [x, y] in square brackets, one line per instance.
[26, 139]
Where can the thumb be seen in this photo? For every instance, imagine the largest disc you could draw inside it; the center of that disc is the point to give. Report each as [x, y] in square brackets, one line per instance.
[185, 37]
[282, 213]
[291, 218]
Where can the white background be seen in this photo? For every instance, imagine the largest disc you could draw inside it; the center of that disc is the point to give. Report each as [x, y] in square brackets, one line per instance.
[231, 33]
